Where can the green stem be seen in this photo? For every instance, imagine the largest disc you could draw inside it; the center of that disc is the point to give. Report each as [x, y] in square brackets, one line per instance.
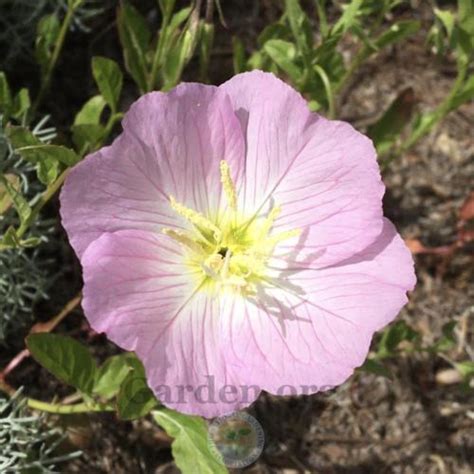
[440, 112]
[67, 409]
[152, 78]
[56, 52]
[45, 197]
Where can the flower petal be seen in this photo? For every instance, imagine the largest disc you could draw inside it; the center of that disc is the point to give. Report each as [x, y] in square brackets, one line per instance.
[172, 145]
[322, 173]
[315, 326]
[138, 291]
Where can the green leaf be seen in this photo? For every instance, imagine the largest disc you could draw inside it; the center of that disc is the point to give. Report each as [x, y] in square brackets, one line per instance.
[206, 42]
[65, 358]
[393, 336]
[239, 58]
[91, 111]
[348, 17]
[135, 37]
[465, 368]
[466, 16]
[447, 19]
[5, 96]
[111, 375]
[56, 153]
[178, 57]
[466, 94]
[46, 37]
[21, 136]
[109, 79]
[135, 399]
[397, 32]
[284, 55]
[21, 205]
[274, 31]
[5, 197]
[447, 340]
[166, 7]
[299, 25]
[87, 136]
[10, 239]
[21, 103]
[190, 447]
[373, 367]
[388, 128]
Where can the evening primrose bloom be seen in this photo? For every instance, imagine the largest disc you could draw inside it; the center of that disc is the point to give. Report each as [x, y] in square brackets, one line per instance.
[235, 242]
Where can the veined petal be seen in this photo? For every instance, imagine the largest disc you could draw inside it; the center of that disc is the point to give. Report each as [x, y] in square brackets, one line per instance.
[311, 328]
[172, 145]
[138, 291]
[191, 129]
[134, 283]
[322, 173]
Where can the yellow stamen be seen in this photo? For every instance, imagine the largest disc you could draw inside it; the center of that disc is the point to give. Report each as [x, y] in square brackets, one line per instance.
[183, 239]
[195, 218]
[228, 185]
[269, 221]
[288, 234]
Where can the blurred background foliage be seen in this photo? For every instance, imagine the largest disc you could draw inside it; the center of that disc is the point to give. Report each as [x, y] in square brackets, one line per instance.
[70, 69]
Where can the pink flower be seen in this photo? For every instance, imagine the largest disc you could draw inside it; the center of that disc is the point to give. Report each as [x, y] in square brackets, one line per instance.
[236, 242]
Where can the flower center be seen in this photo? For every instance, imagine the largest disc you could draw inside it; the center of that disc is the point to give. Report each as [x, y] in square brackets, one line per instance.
[231, 252]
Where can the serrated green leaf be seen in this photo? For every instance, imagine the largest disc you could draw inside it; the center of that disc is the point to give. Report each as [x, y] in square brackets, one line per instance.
[135, 399]
[91, 111]
[111, 375]
[65, 358]
[190, 447]
[283, 54]
[135, 38]
[21, 205]
[109, 79]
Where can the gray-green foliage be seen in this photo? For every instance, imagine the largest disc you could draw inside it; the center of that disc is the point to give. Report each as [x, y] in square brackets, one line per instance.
[19, 19]
[24, 278]
[27, 444]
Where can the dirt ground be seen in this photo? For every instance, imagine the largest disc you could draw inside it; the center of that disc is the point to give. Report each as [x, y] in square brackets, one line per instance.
[411, 424]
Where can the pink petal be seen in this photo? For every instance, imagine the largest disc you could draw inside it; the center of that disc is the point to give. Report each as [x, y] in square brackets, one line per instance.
[315, 326]
[138, 291]
[322, 173]
[172, 144]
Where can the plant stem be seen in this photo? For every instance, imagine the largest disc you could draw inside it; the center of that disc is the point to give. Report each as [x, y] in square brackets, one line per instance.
[67, 409]
[54, 58]
[45, 197]
[439, 112]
